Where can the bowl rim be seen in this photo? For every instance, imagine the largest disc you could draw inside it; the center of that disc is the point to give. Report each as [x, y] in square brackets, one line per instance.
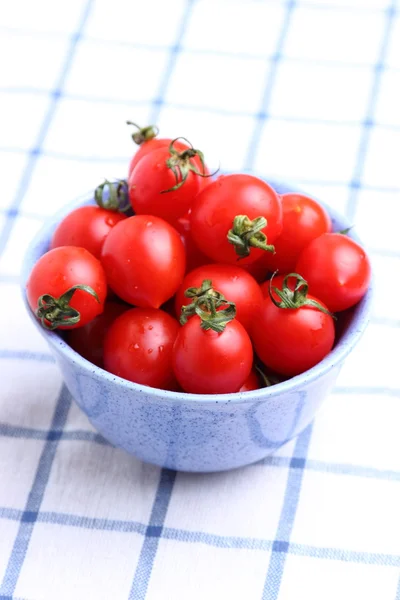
[347, 342]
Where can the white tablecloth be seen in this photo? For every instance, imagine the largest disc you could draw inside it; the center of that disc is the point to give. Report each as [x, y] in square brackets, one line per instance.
[306, 92]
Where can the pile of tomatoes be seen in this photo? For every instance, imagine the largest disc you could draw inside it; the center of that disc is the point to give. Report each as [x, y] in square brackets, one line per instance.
[183, 280]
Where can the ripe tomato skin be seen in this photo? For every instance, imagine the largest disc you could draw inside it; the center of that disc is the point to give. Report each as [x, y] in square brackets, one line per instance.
[291, 341]
[276, 282]
[88, 340]
[251, 383]
[217, 205]
[259, 269]
[337, 269]
[138, 347]
[86, 227]
[144, 260]
[62, 268]
[234, 283]
[194, 257]
[155, 144]
[207, 362]
[147, 147]
[151, 177]
[303, 221]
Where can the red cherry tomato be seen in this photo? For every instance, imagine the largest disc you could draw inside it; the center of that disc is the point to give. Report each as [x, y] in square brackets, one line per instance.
[138, 347]
[88, 340]
[144, 260]
[259, 269]
[337, 270]
[303, 221]
[152, 181]
[251, 383]
[216, 207]
[86, 227]
[234, 283]
[59, 271]
[276, 282]
[208, 362]
[155, 144]
[194, 257]
[145, 148]
[292, 340]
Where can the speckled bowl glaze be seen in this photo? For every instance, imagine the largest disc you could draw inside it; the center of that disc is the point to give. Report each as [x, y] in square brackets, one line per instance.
[190, 432]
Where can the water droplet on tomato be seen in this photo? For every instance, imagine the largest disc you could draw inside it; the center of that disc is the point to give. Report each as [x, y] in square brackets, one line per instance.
[161, 349]
[133, 347]
[150, 327]
[150, 350]
[149, 223]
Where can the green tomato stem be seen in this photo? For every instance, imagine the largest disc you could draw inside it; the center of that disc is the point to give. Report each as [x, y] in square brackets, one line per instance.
[246, 234]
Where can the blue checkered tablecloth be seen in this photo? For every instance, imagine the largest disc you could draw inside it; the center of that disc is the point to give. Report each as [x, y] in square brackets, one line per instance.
[303, 91]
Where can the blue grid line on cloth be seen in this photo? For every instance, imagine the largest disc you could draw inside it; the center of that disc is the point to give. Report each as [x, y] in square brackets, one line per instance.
[152, 535]
[30, 433]
[398, 591]
[26, 355]
[355, 182]
[261, 116]
[123, 160]
[218, 541]
[272, 71]
[35, 152]
[282, 538]
[30, 513]
[174, 51]
[167, 477]
[297, 462]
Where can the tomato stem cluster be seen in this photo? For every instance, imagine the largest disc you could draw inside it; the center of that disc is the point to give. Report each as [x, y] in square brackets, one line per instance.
[54, 312]
[144, 134]
[294, 298]
[180, 164]
[208, 304]
[113, 195]
[246, 234]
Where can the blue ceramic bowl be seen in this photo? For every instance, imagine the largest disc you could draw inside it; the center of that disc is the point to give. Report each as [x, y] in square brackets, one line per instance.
[191, 432]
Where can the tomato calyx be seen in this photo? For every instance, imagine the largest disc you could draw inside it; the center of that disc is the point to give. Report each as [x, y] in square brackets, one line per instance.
[346, 231]
[180, 164]
[207, 303]
[113, 195]
[54, 312]
[294, 298]
[246, 234]
[143, 134]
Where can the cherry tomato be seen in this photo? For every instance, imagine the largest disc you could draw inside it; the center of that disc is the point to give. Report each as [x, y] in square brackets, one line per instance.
[86, 227]
[194, 257]
[164, 183]
[337, 270]
[251, 383]
[138, 347]
[277, 282]
[54, 288]
[144, 260]
[303, 221]
[292, 340]
[156, 144]
[208, 362]
[88, 340]
[217, 210]
[234, 283]
[147, 147]
[259, 269]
